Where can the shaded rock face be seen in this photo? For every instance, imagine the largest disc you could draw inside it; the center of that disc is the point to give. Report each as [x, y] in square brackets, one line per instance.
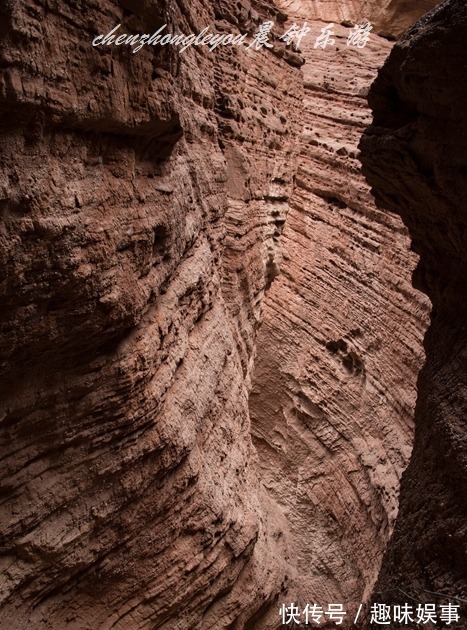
[137, 240]
[341, 344]
[414, 155]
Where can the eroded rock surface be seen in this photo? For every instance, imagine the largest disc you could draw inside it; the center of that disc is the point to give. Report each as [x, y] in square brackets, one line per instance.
[415, 157]
[140, 196]
[341, 344]
[143, 199]
[389, 17]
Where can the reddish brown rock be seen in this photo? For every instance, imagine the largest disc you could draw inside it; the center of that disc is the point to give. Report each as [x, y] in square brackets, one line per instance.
[341, 344]
[143, 199]
[414, 156]
[132, 276]
[390, 18]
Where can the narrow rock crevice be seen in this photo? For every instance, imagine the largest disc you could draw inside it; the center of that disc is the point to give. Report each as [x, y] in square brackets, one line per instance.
[187, 243]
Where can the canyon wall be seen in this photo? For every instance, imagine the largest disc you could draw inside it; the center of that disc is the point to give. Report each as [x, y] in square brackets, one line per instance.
[143, 200]
[414, 155]
[142, 197]
[341, 344]
[390, 18]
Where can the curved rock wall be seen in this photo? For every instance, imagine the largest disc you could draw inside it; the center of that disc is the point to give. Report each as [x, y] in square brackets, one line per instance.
[414, 156]
[341, 344]
[143, 199]
[135, 250]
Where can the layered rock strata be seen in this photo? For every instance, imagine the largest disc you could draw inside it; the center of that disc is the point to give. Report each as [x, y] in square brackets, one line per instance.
[389, 17]
[414, 156]
[341, 344]
[142, 197]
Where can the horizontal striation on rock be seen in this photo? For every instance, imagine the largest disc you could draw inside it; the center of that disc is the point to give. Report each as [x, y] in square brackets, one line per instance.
[390, 18]
[130, 495]
[341, 344]
[143, 200]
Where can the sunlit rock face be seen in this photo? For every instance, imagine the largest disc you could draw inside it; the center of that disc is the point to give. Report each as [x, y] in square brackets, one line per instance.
[389, 17]
[341, 344]
[141, 199]
[414, 156]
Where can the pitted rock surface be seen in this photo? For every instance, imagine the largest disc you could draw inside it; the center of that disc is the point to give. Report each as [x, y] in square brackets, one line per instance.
[139, 232]
[335, 377]
[143, 199]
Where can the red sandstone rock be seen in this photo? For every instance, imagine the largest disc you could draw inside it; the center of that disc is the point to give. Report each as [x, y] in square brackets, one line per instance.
[390, 18]
[132, 276]
[143, 199]
[335, 372]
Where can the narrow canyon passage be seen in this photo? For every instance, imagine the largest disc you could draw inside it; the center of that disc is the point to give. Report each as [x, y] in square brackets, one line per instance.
[340, 347]
[209, 334]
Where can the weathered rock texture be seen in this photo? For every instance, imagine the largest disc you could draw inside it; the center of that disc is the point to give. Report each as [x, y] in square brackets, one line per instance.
[415, 157]
[341, 344]
[142, 197]
[389, 17]
[142, 201]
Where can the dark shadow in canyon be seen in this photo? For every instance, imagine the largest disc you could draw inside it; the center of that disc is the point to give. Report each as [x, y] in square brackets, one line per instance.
[417, 169]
